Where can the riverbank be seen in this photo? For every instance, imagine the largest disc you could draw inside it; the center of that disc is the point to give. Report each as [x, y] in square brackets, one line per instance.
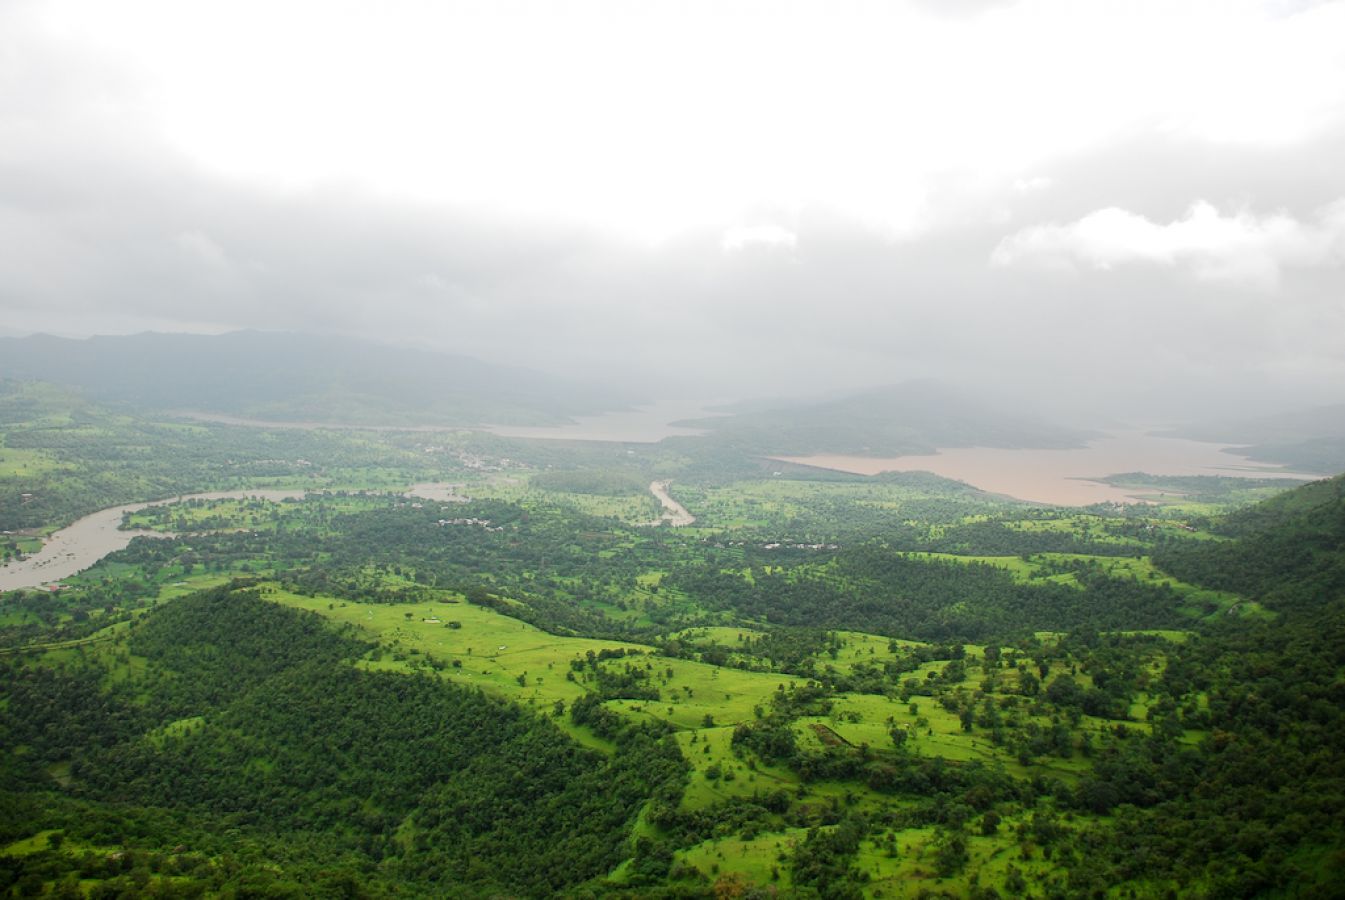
[674, 513]
[80, 545]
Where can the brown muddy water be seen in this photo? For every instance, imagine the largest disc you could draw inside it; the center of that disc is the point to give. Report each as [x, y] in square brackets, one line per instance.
[1064, 477]
[674, 513]
[78, 546]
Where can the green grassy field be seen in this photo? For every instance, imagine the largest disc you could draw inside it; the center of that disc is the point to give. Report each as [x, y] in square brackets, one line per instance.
[758, 860]
[704, 703]
[21, 463]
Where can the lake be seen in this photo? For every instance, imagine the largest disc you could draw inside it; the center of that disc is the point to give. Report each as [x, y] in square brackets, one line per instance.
[1063, 477]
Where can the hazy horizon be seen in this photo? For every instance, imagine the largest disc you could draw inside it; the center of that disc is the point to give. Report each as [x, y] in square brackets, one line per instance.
[1097, 211]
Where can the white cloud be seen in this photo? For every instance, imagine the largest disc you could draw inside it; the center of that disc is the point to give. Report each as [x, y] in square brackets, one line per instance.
[201, 248]
[1034, 183]
[550, 184]
[1240, 248]
[566, 111]
[770, 236]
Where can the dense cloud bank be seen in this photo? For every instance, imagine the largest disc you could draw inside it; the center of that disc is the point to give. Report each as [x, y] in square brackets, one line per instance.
[1150, 268]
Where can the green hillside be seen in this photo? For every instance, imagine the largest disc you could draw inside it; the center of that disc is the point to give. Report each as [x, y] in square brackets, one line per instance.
[850, 687]
[1288, 552]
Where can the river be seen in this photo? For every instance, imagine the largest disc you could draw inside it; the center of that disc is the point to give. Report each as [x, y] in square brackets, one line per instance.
[78, 546]
[674, 513]
[1065, 477]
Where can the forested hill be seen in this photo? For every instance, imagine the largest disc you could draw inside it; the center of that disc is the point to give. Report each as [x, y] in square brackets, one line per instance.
[244, 736]
[1259, 805]
[914, 417]
[1288, 552]
[279, 376]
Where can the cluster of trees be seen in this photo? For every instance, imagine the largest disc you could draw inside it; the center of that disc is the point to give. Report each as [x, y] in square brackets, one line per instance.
[874, 588]
[609, 482]
[991, 538]
[1285, 552]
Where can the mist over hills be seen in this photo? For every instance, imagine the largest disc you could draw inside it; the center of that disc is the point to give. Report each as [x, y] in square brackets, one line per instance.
[300, 377]
[294, 377]
[914, 417]
[1311, 439]
[280, 377]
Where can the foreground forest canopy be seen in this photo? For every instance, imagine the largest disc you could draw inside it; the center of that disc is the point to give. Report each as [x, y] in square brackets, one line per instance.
[515, 682]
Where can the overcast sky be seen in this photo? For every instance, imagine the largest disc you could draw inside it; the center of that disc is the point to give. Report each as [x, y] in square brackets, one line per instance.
[1138, 201]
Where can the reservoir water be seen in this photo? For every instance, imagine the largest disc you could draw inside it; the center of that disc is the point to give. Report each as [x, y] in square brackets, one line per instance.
[1064, 477]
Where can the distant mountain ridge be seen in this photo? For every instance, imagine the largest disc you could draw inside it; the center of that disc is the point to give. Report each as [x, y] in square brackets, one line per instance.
[1311, 439]
[279, 376]
[915, 417]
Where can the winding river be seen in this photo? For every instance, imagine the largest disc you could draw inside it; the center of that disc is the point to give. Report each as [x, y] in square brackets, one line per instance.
[78, 546]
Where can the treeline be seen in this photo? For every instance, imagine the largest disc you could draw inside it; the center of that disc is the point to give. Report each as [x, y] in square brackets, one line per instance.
[873, 588]
[998, 539]
[545, 560]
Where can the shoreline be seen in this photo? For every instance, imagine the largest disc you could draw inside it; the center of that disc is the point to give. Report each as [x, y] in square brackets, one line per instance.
[1064, 477]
